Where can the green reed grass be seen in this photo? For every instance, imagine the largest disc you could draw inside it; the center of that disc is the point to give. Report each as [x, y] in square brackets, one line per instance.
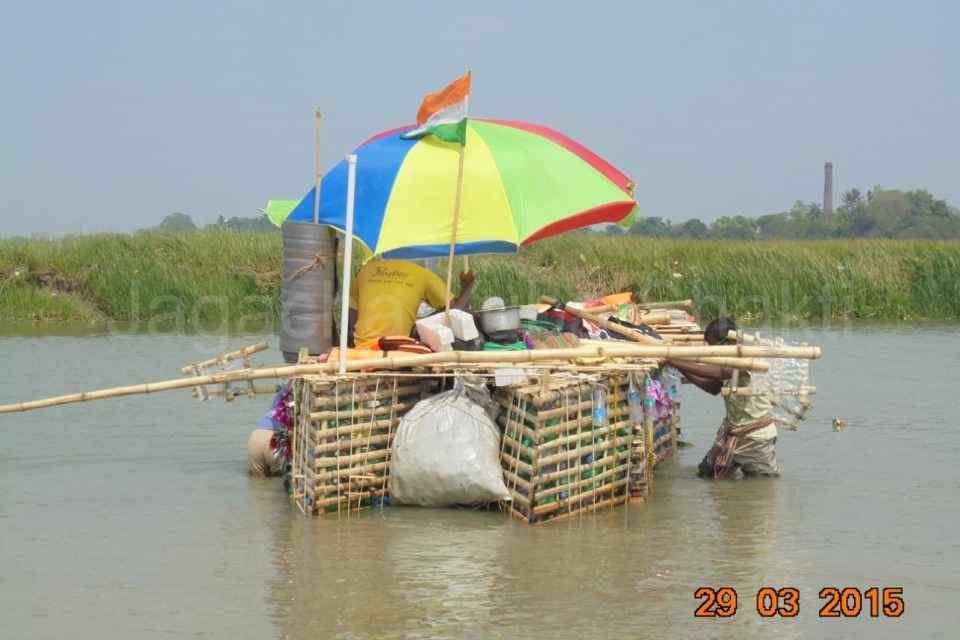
[201, 280]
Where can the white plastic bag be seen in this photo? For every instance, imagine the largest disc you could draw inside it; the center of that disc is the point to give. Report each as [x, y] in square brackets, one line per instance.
[446, 452]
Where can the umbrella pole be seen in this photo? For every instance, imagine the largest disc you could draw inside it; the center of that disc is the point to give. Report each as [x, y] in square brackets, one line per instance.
[318, 172]
[456, 221]
[347, 260]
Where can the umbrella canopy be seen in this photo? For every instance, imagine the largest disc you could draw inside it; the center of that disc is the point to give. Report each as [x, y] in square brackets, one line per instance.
[522, 182]
[278, 210]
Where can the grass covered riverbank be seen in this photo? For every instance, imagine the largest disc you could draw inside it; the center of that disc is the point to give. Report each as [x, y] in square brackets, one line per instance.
[207, 279]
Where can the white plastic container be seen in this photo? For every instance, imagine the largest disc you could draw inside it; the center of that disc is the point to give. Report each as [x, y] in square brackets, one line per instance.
[462, 325]
[435, 335]
[528, 312]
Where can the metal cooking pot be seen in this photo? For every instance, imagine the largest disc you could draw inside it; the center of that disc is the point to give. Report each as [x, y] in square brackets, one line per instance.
[495, 317]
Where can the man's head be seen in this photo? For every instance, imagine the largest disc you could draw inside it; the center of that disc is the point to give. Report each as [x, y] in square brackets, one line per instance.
[718, 330]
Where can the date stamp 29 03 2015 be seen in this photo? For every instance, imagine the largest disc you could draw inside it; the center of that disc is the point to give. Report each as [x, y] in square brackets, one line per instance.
[784, 602]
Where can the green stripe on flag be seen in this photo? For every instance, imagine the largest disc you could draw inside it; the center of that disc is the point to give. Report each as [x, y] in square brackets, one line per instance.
[447, 131]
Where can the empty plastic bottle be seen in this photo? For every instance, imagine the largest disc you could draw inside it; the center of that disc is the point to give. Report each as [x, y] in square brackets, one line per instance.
[635, 400]
[599, 407]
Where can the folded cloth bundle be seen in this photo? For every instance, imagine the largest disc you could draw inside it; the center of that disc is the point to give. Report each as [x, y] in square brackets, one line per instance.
[403, 343]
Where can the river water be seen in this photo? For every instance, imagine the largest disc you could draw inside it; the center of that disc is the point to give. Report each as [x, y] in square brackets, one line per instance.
[134, 517]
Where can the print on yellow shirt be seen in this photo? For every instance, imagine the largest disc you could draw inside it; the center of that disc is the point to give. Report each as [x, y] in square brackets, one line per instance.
[387, 293]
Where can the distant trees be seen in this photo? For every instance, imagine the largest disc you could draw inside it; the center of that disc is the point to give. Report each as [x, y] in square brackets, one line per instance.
[694, 228]
[178, 222]
[878, 213]
[655, 227]
[259, 224]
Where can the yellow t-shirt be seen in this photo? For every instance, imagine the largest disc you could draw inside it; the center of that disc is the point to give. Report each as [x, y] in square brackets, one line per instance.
[387, 294]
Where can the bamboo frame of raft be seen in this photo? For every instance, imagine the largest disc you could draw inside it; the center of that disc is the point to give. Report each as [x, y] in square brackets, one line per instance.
[411, 361]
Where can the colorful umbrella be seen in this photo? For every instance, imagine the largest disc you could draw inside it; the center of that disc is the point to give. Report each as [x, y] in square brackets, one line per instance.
[522, 183]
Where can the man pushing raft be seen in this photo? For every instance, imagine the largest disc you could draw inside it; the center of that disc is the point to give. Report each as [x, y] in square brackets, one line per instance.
[747, 438]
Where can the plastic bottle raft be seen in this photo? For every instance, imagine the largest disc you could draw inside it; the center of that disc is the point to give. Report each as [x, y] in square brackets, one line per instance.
[569, 445]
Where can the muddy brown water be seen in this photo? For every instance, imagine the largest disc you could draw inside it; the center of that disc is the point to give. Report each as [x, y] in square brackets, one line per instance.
[133, 518]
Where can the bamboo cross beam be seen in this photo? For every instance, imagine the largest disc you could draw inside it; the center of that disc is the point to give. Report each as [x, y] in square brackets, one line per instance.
[750, 391]
[240, 354]
[612, 327]
[675, 304]
[396, 361]
[744, 364]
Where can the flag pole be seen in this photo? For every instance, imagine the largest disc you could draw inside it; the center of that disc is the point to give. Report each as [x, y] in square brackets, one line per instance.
[347, 259]
[456, 205]
[318, 171]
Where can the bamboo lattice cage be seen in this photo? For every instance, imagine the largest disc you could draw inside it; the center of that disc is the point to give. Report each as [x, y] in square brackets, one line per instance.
[560, 459]
[557, 459]
[343, 434]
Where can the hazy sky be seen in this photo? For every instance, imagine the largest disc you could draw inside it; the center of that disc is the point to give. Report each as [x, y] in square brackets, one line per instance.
[117, 113]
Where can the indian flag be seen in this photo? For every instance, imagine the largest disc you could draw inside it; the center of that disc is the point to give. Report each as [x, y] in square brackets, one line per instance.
[444, 113]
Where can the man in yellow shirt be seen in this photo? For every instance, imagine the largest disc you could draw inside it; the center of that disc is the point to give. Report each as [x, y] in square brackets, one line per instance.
[386, 294]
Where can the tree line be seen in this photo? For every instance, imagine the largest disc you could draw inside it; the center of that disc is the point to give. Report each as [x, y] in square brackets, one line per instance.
[878, 213]
[178, 222]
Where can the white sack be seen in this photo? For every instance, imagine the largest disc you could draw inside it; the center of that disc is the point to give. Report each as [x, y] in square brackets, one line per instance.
[446, 452]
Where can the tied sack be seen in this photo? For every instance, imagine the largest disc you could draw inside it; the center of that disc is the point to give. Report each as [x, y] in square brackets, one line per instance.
[447, 452]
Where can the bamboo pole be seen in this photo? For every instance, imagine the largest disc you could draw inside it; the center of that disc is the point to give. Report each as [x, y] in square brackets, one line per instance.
[744, 364]
[515, 463]
[353, 444]
[675, 304]
[318, 172]
[329, 434]
[591, 508]
[233, 393]
[656, 317]
[457, 199]
[516, 480]
[395, 361]
[325, 462]
[582, 450]
[579, 497]
[343, 473]
[617, 459]
[604, 308]
[360, 413]
[227, 357]
[682, 337]
[366, 395]
[579, 484]
[750, 391]
[583, 314]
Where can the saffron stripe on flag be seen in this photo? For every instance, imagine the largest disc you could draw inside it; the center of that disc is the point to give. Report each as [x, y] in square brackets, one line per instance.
[455, 92]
